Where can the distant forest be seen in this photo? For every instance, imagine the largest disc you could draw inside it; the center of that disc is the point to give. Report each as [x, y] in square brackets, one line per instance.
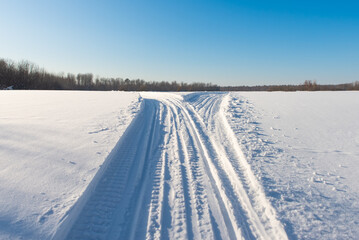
[27, 75]
[308, 85]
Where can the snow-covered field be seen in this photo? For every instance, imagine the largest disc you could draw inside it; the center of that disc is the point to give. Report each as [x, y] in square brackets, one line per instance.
[304, 148]
[115, 165]
[51, 145]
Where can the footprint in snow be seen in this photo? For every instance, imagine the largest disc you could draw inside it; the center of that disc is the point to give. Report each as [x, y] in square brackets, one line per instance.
[44, 217]
[100, 130]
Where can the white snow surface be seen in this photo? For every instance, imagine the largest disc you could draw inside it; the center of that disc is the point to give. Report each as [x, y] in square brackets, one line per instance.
[115, 165]
[304, 147]
[52, 143]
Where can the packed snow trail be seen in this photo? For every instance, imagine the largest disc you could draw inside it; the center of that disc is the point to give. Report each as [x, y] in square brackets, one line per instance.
[177, 173]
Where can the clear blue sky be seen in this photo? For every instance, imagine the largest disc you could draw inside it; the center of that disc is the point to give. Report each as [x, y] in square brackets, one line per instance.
[224, 42]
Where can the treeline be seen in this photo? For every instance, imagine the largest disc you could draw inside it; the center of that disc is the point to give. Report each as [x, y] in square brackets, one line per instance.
[27, 75]
[308, 85]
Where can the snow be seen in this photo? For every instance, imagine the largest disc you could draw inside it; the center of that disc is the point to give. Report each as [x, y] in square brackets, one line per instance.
[116, 165]
[174, 175]
[304, 147]
[52, 143]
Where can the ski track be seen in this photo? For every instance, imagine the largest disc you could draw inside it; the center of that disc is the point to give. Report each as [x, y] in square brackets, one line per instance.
[178, 173]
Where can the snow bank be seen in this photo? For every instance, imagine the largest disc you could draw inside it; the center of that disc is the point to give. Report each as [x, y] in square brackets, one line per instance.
[304, 146]
[52, 143]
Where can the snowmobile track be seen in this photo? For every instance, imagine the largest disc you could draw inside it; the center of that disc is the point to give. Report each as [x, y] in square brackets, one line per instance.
[177, 173]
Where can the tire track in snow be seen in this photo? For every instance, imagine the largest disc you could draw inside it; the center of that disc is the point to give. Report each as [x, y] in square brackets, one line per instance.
[196, 201]
[254, 190]
[177, 198]
[159, 191]
[105, 214]
[178, 174]
[219, 203]
[145, 175]
[257, 210]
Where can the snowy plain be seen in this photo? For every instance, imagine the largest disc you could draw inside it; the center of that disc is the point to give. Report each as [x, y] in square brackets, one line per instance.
[51, 145]
[304, 146]
[110, 165]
